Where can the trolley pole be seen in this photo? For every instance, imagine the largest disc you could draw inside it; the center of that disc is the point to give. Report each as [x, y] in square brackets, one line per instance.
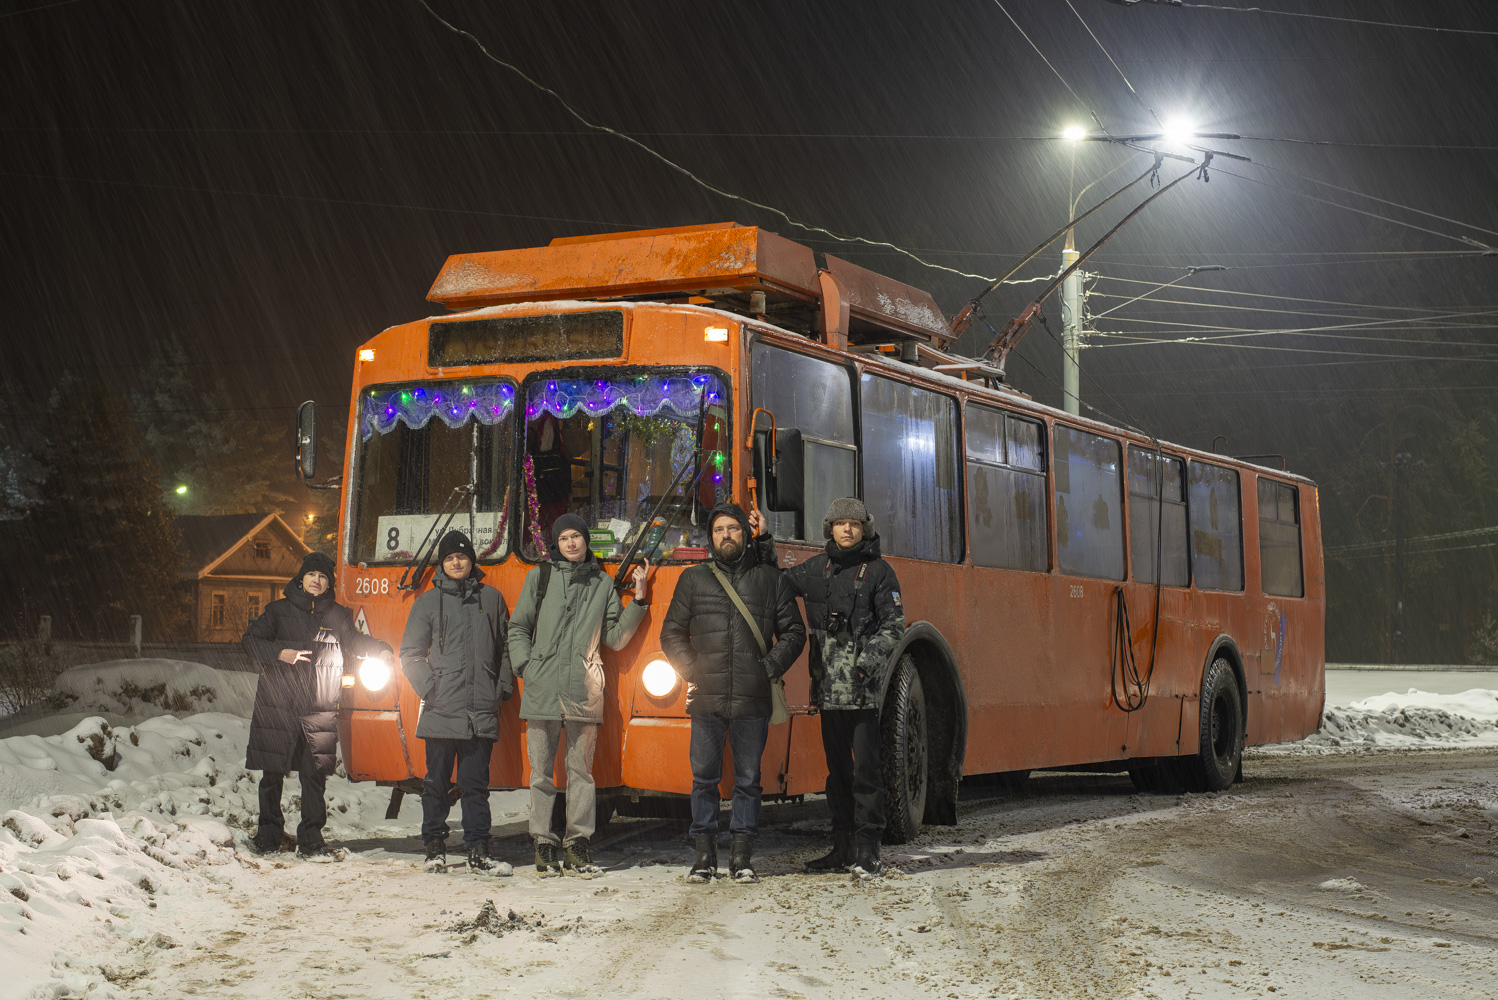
[1071, 330]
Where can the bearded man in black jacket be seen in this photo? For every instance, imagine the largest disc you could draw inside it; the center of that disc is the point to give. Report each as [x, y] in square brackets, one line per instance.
[304, 644]
[728, 665]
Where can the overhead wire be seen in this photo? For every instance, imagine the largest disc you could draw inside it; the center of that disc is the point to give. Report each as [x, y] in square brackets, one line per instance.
[1322, 17]
[677, 167]
[1270, 295]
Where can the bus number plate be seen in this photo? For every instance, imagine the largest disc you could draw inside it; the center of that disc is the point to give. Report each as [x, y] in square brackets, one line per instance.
[372, 585]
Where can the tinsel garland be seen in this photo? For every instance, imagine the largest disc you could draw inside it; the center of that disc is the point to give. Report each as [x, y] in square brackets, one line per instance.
[533, 506]
[500, 528]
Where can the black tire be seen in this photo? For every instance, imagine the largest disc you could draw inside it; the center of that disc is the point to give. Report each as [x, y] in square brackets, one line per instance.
[1220, 744]
[903, 754]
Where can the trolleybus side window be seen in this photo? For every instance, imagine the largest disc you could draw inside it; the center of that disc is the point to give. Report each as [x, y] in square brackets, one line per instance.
[1279, 539]
[816, 398]
[417, 442]
[1006, 516]
[1089, 504]
[638, 454]
[1216, 527]
[910, 469]
[1152, 531]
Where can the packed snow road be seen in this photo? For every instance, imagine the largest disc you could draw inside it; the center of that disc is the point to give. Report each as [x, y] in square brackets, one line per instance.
[1356, 876]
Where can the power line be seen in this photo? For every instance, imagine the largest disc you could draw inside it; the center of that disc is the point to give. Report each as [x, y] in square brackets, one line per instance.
[1115, 64]
[661, 158]
[1269, 295]
[1236, 308]
[1317, 17]
[1382, 201]
[1129, 341]
[33, 10]
[1244, 331]
[1043, 59]
[1387, 543]
[1372, 215]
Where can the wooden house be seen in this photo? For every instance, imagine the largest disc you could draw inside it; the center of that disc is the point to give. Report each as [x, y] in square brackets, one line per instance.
[234, 565]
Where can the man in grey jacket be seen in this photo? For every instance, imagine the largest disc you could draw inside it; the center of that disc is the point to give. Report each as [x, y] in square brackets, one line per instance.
[453, 653]
[567, 608]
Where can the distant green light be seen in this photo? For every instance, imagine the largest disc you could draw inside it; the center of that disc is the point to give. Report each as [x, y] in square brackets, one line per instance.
[181, 490]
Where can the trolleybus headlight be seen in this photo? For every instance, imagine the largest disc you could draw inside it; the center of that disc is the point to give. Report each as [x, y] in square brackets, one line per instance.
[374, 674]
[659, 678]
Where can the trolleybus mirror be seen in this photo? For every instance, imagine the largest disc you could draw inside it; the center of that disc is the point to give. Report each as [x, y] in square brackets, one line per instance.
[306, 441]
[782, 477]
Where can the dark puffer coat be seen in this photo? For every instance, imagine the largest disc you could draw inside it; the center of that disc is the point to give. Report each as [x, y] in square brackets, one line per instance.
[710, 644]
[300, 700]
[848, 666]
[453, 653]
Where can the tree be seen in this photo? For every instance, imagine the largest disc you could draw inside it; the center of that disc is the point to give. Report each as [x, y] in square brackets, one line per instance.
[101, 544]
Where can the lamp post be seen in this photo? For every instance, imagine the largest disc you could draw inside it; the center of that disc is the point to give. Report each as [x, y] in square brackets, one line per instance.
[1071, 292]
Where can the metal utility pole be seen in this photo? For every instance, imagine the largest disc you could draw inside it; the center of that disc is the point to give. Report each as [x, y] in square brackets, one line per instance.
[1071, 329]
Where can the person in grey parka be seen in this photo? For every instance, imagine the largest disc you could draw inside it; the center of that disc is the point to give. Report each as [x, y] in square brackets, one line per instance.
[453, 653]
[567, 608]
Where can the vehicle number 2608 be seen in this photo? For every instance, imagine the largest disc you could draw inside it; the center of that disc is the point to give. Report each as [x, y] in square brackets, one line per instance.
[372, 585]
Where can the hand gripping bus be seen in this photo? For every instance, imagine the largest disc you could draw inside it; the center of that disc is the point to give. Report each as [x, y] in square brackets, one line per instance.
[1077, 595]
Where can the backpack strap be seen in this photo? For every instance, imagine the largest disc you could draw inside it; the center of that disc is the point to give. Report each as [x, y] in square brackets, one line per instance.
[541, 586]
[738, 602]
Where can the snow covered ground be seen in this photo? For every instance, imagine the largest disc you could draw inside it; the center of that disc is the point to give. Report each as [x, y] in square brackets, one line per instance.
[124, 870]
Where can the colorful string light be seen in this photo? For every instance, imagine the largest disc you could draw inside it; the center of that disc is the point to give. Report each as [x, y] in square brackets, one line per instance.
[454, 404]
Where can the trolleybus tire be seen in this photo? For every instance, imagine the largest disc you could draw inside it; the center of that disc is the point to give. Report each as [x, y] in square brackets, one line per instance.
[1220, 746]
[903, 753]
[1161, 776]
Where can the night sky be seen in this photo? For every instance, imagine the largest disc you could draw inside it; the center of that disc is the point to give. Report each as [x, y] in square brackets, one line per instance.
[271, 183]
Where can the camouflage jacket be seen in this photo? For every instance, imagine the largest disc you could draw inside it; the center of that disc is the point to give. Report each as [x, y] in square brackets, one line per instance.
[848, 664]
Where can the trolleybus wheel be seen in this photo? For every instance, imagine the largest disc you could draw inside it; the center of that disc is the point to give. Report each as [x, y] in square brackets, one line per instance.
[902, 742]
[1220, 748]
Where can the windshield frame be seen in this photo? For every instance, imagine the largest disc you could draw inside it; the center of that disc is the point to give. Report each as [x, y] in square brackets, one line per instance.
[587, 371]
[354, 476]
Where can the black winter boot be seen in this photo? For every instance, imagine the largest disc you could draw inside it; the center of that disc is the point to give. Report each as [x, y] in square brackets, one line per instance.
[436, 860]
[740, 868]
[866, 863]
[705, 868]
[835, 860]
[479, 862]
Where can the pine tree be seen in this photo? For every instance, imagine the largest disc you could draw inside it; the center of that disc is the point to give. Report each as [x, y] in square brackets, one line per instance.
[102, 542]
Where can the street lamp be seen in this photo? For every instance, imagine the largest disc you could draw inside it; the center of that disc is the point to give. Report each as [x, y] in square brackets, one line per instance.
[1074, 133]
[182, 490]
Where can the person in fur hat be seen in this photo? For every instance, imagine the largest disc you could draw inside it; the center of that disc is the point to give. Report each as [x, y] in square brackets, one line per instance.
[567, 610]
[856, 619]
[453, 653]
[304, 644]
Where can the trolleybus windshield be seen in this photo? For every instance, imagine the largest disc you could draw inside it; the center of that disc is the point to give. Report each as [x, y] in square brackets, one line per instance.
[607, 445]
[417, 443]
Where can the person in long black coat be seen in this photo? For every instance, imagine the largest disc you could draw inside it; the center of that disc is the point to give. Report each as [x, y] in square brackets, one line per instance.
[729, 698]
[303, 645]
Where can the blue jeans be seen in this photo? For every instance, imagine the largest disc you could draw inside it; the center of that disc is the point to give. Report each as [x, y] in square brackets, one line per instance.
[747, 736]
[472, 759]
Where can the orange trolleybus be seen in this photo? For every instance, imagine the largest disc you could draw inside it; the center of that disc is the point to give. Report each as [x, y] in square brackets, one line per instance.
[1076, 595]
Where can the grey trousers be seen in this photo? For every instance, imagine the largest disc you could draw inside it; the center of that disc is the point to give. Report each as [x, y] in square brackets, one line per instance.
[541, 740]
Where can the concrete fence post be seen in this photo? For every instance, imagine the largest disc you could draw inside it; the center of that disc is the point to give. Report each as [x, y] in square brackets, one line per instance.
[44, 630]
[135, 637]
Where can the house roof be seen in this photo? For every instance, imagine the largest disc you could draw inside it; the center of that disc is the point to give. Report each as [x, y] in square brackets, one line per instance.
[205, 539]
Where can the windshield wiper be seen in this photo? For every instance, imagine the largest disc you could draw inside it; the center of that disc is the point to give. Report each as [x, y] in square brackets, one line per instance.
[428, 546]
[634, 548]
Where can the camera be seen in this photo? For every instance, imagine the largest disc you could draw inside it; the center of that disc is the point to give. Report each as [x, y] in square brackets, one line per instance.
[837, 621]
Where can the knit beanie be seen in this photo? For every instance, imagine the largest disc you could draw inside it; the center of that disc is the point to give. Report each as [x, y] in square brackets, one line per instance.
[455, 541]
[569, 522]
[847, 509]
[316, 562]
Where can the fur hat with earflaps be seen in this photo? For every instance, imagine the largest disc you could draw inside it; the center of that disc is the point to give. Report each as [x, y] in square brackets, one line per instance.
[847, 509]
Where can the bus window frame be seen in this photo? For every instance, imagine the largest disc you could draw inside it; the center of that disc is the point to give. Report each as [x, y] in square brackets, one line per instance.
[1126, 548]
[1044, 474]
[1237, 472]
[959, 455]
[595, 370]
[1129, 448]
[1300, 535]
[356, 457]
[758, 336]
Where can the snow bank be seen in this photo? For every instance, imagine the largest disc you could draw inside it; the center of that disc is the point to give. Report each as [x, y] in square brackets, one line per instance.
[139, 689]
[1404, 721]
